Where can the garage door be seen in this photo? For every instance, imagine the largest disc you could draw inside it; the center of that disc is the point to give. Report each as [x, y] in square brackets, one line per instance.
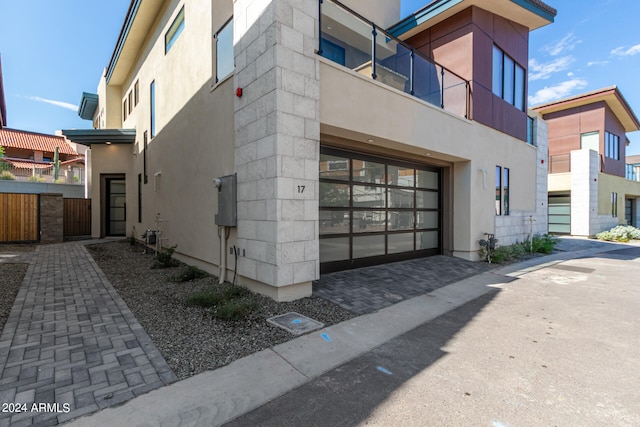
[375, 210]
[560, 214]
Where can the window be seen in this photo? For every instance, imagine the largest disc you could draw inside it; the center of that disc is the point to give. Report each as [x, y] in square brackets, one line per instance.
[590, 141]
[531, 132]
[502, 190]
[139, 197]
[614, 204]
[136, 93]
[130, 99]
[224, 51]
[152, 100]
[144, 156]
[508, 79]
[612, 146]
[125, 109]
[174, 31]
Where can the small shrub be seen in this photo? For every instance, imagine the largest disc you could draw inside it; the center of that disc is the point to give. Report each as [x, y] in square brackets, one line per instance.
[188, 274]
[230, 303]
[35, 179]
[621, 233]
[543, 244]
[538, 244]
[164, 258]
[7, 176]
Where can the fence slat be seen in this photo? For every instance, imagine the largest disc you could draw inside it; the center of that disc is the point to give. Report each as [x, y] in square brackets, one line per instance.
[19, 217]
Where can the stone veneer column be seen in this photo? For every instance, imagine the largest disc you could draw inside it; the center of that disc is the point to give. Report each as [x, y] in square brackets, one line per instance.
[51, 218]
[277, 133]
[585, 165]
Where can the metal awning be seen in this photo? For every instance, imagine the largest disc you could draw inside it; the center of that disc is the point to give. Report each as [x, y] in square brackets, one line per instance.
[100, 136]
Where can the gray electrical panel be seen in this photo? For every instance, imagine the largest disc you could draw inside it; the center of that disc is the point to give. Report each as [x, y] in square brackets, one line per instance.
[227, 201]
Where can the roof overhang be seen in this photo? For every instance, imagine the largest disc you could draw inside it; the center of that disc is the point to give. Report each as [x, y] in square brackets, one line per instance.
[135, 29]
[100, 136]
[611, 95]
[88, 105]
[532, 14]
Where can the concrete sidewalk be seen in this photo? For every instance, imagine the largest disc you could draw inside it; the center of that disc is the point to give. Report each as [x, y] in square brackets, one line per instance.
[216, 397]
[70, 342]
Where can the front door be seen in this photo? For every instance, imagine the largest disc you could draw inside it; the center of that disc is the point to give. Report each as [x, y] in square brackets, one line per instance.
[629, 213]
[115, 207]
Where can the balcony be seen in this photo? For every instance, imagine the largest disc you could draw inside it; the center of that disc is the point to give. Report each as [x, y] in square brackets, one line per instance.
[358, 44]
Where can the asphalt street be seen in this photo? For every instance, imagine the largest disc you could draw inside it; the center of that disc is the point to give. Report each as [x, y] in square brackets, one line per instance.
[559, 346]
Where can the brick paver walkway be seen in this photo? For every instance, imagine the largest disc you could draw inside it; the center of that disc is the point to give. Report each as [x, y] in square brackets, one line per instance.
[71, 342]
[365, 290]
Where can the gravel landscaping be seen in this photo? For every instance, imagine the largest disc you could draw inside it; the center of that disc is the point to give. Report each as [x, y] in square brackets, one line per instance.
[11, 277]
[191, 338]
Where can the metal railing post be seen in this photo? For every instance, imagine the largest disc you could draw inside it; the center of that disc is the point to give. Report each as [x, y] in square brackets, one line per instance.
[320, 27]
[412, 71]
[374, 33]
[442, 87]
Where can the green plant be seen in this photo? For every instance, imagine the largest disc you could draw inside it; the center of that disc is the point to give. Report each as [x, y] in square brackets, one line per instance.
[76, 179]
[229, 303]
[164, 258]
[34, 178]
[621, 233]
[537, 244]
[189, 273]
[132, 238]
[7, 176]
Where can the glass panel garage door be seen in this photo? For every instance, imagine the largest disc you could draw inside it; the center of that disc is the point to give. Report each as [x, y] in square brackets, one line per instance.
[560, 214]
[375, 210]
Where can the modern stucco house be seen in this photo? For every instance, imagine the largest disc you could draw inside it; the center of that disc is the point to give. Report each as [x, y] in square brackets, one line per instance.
[338, 143]
[592, 185]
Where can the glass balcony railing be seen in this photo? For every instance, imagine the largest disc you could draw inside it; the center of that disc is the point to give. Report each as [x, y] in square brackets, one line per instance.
[356, 43]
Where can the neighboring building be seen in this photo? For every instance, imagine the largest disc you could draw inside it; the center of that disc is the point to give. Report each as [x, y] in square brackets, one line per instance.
[593, 186]
[30, 156]
[335, 169]
[3, 105]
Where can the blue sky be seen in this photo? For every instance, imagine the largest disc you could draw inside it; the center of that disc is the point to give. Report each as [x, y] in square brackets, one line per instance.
[52, 51]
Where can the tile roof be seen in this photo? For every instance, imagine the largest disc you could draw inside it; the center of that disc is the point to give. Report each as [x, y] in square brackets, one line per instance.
[27, 164]
[12, 138]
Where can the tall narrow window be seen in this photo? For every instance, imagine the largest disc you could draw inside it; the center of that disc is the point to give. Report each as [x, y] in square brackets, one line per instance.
[174, 31]
[144, 156]
[508, 79]
[505, 191]
[139, 197]
[614, 204]
[152, 99]
[130, 99]
[531, 126]
[136, 93]
[224, 51]
[498, 71]
[498, 190]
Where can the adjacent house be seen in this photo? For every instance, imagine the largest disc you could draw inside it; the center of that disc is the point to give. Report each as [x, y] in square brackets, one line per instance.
[287, 139]
[31, 155]
[593, 185]
[3, 105]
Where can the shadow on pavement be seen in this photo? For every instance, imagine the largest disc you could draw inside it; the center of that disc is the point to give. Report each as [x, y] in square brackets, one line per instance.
[347, 395]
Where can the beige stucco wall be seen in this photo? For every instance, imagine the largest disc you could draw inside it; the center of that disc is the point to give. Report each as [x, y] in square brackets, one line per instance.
[559, 182]
[625, 188]
[358, 108]
[194, 134]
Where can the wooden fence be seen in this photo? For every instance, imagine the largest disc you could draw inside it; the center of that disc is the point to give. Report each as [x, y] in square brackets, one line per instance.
[77, 217]
[19, 217]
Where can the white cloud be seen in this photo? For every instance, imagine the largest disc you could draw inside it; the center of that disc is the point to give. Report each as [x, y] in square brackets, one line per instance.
[592, 63]
[542, 71]
[61, 104]
[621, 51]
[565, 44]
[558, 91]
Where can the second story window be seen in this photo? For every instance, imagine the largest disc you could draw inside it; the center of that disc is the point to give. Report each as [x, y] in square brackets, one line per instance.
[508, 79]
[612, 146]
[174, 30]
[224, 51]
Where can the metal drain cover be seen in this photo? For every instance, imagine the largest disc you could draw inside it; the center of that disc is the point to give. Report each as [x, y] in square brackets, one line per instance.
[295, 323]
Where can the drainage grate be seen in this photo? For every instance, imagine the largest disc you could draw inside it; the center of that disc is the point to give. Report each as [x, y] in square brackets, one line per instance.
[295, 323]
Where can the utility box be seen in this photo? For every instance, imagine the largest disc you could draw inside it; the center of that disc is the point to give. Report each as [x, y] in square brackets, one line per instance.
[227, 201]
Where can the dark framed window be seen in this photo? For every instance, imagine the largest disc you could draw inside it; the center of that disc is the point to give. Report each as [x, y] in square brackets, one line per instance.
[130, 100]
[125, 109]
[614, 204]
[145, 140]
[612, 146]
[174, 30]
[531, 132]
[139, 198]
[224, 50]
[508, 79]
[136, 92]
[152, 101]
[502, 190]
